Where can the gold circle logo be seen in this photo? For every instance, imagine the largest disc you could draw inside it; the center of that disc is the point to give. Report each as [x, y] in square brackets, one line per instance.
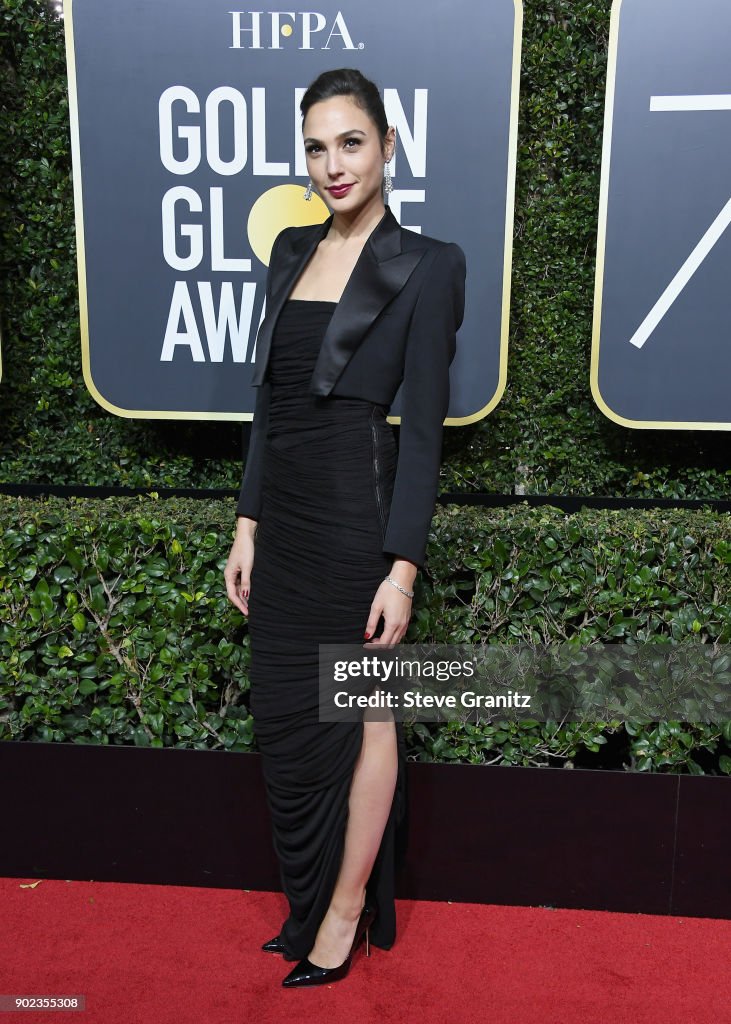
[281, 207]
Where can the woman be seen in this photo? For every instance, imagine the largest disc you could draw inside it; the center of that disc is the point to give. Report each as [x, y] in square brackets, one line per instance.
[333, 521]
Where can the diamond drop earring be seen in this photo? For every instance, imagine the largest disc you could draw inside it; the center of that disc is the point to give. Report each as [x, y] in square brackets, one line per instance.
[307, 194]
[387, 182]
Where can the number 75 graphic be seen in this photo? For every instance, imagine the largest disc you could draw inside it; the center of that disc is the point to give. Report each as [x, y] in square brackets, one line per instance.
[660, 355]
[709, 239]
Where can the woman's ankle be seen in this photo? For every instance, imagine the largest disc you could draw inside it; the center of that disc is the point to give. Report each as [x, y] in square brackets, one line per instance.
[349, 907]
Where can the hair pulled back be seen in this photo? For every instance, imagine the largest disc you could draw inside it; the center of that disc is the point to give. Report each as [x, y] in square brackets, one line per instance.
[348, 82]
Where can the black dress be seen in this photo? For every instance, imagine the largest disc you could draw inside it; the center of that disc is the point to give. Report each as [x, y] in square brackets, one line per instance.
[329, 468]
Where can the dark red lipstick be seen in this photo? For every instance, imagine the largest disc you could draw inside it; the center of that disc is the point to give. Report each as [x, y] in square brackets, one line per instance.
[338, 191]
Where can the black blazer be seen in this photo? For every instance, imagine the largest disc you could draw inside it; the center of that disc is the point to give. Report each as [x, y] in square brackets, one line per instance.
[396, 322]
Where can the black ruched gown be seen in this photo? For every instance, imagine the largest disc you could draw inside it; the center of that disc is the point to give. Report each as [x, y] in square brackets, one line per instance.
[329, 467]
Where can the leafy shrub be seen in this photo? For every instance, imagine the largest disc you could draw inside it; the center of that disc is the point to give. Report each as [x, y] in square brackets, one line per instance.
[116, 627]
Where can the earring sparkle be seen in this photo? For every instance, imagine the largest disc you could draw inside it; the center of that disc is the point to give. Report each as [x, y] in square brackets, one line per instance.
[387, 182]
[307, 194]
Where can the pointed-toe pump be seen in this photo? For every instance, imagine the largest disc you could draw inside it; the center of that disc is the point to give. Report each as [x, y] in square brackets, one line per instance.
[276, 945]
[307, 973]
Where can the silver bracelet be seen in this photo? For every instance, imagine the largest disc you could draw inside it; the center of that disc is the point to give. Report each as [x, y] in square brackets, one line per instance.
[392, 581]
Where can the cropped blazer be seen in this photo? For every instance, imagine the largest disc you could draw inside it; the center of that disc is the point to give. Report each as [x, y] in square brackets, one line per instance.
[395, 324]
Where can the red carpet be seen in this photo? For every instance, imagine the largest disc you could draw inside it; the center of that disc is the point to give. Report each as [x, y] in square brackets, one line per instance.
[173, 955]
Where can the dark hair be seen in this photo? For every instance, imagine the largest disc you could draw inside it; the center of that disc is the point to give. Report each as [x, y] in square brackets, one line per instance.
[348, 82]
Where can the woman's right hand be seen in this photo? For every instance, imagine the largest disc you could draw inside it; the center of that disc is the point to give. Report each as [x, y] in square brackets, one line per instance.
[237, 573]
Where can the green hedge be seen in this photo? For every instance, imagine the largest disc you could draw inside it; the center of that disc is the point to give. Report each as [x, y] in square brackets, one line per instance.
[116, 627]
[546, 435]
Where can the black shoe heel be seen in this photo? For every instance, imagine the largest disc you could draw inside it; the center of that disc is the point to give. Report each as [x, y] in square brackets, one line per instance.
[307, 973]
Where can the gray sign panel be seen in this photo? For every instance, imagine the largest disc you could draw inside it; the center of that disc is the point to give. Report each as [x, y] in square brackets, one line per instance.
[188, 160]
[660, 354]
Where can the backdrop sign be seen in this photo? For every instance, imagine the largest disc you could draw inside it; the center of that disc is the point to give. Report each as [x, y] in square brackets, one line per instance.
[661, 315]
[188, 160]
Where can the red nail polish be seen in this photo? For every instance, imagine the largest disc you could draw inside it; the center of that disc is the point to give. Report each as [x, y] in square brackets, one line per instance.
[366, 636]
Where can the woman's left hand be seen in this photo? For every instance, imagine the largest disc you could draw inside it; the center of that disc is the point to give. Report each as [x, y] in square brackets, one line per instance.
[396, 610]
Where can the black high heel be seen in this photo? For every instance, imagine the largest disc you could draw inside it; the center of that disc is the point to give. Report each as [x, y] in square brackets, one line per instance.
[307, 973]
[276, 945]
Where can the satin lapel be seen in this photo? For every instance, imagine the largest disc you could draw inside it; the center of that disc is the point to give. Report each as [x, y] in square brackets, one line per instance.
[380, 273]
[290, 264]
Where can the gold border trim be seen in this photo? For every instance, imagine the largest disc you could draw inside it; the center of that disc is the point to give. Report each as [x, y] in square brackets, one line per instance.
[243, 417]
